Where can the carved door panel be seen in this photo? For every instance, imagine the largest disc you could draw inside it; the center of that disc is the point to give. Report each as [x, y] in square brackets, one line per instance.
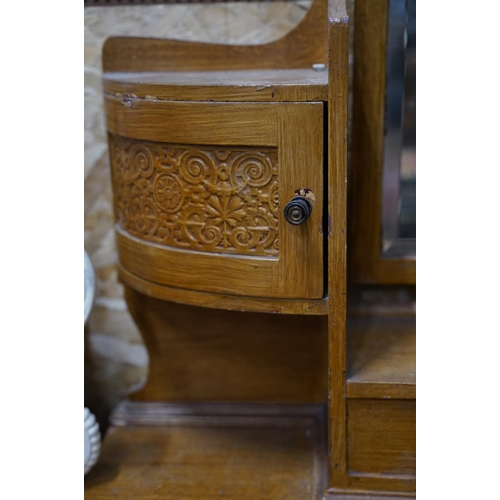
[200, 190]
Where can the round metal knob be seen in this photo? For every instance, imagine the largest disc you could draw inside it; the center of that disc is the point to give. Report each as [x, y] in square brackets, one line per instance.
[298, 210]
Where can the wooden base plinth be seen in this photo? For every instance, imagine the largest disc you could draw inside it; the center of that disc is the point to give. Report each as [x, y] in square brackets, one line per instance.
[207, 451]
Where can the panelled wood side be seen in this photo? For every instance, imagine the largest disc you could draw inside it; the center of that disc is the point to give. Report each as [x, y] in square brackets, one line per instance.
[200, 354]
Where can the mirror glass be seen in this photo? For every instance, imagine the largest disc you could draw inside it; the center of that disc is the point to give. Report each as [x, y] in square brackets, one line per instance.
[399, 169]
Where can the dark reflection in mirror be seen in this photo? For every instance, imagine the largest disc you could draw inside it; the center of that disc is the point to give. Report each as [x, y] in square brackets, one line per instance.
[399, 176]
[408, 179]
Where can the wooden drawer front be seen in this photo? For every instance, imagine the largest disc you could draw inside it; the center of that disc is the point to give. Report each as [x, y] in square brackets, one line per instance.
[199, 194]
[381, 437]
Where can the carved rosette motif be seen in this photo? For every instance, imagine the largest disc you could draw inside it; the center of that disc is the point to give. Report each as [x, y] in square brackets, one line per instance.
[204, 198]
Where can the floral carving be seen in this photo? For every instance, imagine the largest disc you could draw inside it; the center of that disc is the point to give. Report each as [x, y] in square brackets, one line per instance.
[168, 193]
[202, 198]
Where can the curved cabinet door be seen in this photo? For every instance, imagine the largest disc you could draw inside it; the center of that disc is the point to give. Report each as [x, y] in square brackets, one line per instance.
[200, 188]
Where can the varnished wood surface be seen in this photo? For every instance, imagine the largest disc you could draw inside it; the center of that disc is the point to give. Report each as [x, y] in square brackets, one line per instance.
[251, 454]
[336, 182]
[366, 264]
[206, 123]
[317, 307]
[295, 129]
[337, 494]
[278, 85]
[382, 358]
[200, 354]
[226, 358]
[382, 442]
[304, 46]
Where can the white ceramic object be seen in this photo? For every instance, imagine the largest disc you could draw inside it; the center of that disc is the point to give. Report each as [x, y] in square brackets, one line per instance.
[92, 436]
[92, 440]
[89, 282]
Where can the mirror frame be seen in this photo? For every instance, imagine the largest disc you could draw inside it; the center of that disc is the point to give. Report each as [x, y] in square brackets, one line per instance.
[368, 262]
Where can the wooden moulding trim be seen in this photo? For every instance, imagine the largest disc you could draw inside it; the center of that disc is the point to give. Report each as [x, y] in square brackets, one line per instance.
[336, 182]
[302, 47]
[373, 390]
[282, 85]
[405, 477]
[317, 307]
[382, 484]
[344, 494]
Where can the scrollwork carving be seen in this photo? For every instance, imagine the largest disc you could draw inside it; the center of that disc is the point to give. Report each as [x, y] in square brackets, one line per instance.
[202, 198]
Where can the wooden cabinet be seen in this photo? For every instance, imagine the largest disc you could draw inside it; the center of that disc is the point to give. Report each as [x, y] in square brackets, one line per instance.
[208, 144]
[200, 189]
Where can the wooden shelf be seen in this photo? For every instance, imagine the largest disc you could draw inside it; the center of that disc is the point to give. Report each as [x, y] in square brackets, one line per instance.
[381, 354]
[178, 451]
[280, 85]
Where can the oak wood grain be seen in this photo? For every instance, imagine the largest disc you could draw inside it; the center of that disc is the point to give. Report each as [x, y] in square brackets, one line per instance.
[336, 185]
[302, 47]
[200, 354]
[185, 122]
[382, 358]
[317, 307]
[210, 454]
[295, 129]
[276, 85]
[382, 443]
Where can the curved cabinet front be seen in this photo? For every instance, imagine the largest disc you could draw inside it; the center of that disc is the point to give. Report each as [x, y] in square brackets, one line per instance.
[199, 191]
